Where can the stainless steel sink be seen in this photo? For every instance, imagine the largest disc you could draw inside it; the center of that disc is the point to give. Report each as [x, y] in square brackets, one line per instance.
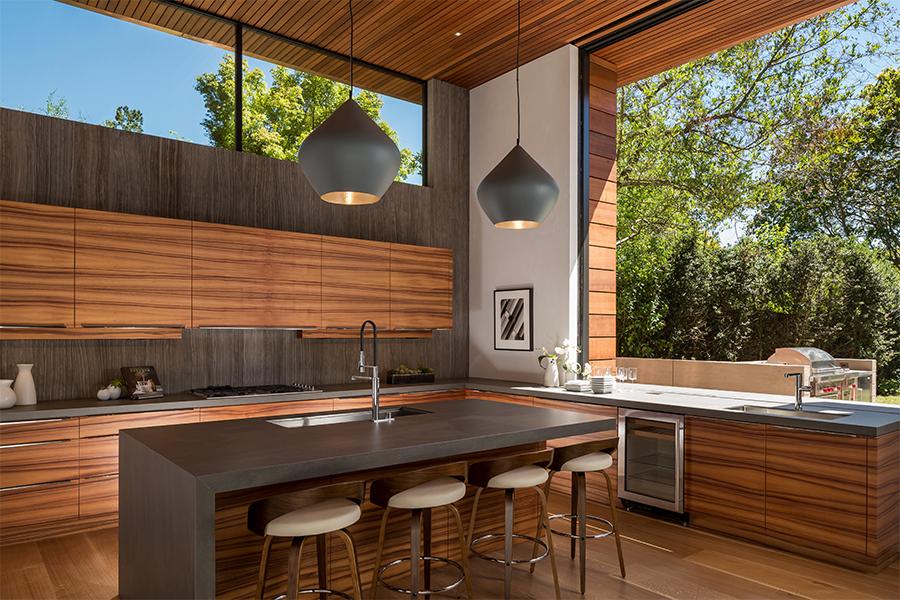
[345, 417]
[789, 412]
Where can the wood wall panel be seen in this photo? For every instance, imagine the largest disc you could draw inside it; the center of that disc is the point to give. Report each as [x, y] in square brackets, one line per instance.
[356, 281]
[816, 490]
[601, 215]
[131, 270]
[37, 254]
[421, 287]
[883, 483]
[249, 277]
[725, 475]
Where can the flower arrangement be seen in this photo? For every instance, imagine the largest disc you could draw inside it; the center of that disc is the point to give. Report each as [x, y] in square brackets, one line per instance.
[564, 356]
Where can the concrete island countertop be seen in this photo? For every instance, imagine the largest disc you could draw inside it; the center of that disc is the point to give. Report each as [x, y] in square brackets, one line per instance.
[868, 419]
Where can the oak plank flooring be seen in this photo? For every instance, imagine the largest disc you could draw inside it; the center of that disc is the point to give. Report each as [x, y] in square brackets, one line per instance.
[664, 560]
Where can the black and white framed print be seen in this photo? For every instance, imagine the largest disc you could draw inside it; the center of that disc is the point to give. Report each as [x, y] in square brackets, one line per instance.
[513, 321]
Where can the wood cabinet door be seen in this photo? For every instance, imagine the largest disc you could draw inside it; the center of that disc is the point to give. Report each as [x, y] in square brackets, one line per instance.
[421, 287]
[725, 475]
[131, 270]
[46, 504]
[98, 456]
[356, 281]
[265, 409]
[104, 425]
[596, 483]
[816, 489]
[247, 277]
[44, 430]
[98, 496]
[42, 462]
[499, 397]
[37, 256]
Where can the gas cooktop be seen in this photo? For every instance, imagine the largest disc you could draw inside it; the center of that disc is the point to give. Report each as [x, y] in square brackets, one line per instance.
[228, 391]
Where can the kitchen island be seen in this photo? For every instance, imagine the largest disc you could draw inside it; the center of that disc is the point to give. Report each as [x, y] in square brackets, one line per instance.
[183, 487]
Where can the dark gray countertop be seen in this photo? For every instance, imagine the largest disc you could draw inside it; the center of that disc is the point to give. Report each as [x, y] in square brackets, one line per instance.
[229, 455]
[867, 419]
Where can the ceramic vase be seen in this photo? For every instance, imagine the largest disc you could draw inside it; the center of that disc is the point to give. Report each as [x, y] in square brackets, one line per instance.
[24, 386]
[7, 395]
[551, 373]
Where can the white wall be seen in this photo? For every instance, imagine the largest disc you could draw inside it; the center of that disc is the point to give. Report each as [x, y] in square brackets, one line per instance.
[543, 258]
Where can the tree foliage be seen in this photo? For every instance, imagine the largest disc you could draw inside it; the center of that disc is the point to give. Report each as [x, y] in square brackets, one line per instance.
[791, 137]
[127, 119]
[278, 117]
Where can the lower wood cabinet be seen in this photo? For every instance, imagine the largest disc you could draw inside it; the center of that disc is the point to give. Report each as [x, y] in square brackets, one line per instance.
[98, 456]
[36, 507]
[499, 397]
[816, 489]
[111, 424]
[266, 409]
[725, 475]
[39, 462]
[98, 496]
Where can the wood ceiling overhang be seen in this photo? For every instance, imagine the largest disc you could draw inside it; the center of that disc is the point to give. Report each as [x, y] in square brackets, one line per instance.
[418, 37]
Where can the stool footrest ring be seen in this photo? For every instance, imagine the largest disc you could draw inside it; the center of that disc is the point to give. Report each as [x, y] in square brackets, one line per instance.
[607, 531]
[318, 591]
[518, 536]
[423, 592]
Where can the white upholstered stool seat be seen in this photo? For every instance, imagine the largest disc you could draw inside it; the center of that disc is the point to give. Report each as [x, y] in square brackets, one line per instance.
[595, 461]
[521, 477]
[431, 494]
[323, 517]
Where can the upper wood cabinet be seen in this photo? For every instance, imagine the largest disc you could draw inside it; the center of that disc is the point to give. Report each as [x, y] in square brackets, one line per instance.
[131, 270]
[37, 255]
[356, 281]
[421, 287]
[725, 475]
[248, 277]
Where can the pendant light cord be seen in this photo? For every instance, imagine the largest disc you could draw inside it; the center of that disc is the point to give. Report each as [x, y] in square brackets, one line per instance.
[350, 2]
[518, 102]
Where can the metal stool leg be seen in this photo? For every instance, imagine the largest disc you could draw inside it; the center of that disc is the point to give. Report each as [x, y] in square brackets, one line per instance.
[263, 568]
[294, 567]
[321, 565]
[379, 549]
[615, 521]
[582, 525]
[546, 519]
[463, 549]
[354, 565]
[426, 545]
[540, 525]
[574, 510]
[507, 542]
[472, 518]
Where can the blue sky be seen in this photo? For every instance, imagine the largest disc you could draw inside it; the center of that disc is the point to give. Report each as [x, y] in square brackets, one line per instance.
[98, 63]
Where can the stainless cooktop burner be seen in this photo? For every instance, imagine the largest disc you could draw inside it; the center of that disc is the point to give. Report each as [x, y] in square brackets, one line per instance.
[228, 391]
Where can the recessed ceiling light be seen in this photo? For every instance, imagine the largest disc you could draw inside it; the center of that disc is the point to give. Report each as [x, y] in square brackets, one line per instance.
[458, 33]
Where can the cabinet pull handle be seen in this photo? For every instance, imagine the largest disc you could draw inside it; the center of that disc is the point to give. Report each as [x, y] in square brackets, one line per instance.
[35, 485]
[124, 326]
[783, 428]
[41, 326]
[4, 423]
[47, 443]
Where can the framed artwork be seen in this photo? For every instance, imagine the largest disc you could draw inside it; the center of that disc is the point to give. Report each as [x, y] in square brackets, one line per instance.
[513, 320]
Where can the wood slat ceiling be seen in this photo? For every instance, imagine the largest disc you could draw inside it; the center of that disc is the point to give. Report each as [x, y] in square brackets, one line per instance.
[417, 37]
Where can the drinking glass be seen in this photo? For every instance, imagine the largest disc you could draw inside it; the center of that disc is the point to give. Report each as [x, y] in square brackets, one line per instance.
[632, 375]
[620, 374]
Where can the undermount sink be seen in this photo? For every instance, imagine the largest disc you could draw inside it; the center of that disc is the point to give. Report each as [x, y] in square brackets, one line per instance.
[345, 417]
[789, 412]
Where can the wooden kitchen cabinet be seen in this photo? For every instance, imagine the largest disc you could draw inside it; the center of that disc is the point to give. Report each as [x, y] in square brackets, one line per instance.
[356, 281]
[98, 456]
[45, 430]
[98, 497]
[499, 397]
[421, 287]
[725, 475]
[131, 270]
[105, 425]
[387, 399]
[41, 462]
[248, 277]
[265, 409]
[37, 255]
[816, 490]
[30, 509]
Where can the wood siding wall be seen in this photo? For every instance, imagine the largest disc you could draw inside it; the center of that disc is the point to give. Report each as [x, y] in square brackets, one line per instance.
[66, 163]
[601, 348]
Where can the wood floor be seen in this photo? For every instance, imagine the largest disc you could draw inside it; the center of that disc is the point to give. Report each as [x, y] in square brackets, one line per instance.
[663, 560]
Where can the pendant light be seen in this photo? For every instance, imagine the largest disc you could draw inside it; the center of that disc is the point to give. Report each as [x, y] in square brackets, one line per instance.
[518, 193]
[348, 159]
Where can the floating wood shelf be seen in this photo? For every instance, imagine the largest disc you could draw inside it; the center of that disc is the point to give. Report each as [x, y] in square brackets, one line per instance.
[90, 333]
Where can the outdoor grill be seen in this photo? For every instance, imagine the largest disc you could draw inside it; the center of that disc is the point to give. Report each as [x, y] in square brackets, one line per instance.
[827, 378]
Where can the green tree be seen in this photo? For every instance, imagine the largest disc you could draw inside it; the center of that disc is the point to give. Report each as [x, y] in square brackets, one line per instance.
[56, 107]
[127, 119]
[278, 117]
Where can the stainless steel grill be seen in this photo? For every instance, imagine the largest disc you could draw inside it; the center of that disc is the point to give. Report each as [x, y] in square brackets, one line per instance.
[827, 378]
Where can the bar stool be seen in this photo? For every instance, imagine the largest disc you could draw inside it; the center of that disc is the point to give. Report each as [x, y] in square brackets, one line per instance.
[303, 515]
[510, 474]
[419, 492]
[580, 459]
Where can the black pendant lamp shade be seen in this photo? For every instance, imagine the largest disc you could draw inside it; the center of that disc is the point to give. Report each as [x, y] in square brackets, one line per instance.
[348, 159]
[518, 193]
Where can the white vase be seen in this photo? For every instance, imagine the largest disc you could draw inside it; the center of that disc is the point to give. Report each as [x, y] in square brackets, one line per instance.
[7, 395]
[551, 374]
[24, 386]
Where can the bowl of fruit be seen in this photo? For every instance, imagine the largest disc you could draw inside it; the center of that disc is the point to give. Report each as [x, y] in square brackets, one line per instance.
[404, 374]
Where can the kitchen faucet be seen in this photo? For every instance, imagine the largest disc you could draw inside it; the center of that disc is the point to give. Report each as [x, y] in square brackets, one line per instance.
[800, 388]
[376, 407]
